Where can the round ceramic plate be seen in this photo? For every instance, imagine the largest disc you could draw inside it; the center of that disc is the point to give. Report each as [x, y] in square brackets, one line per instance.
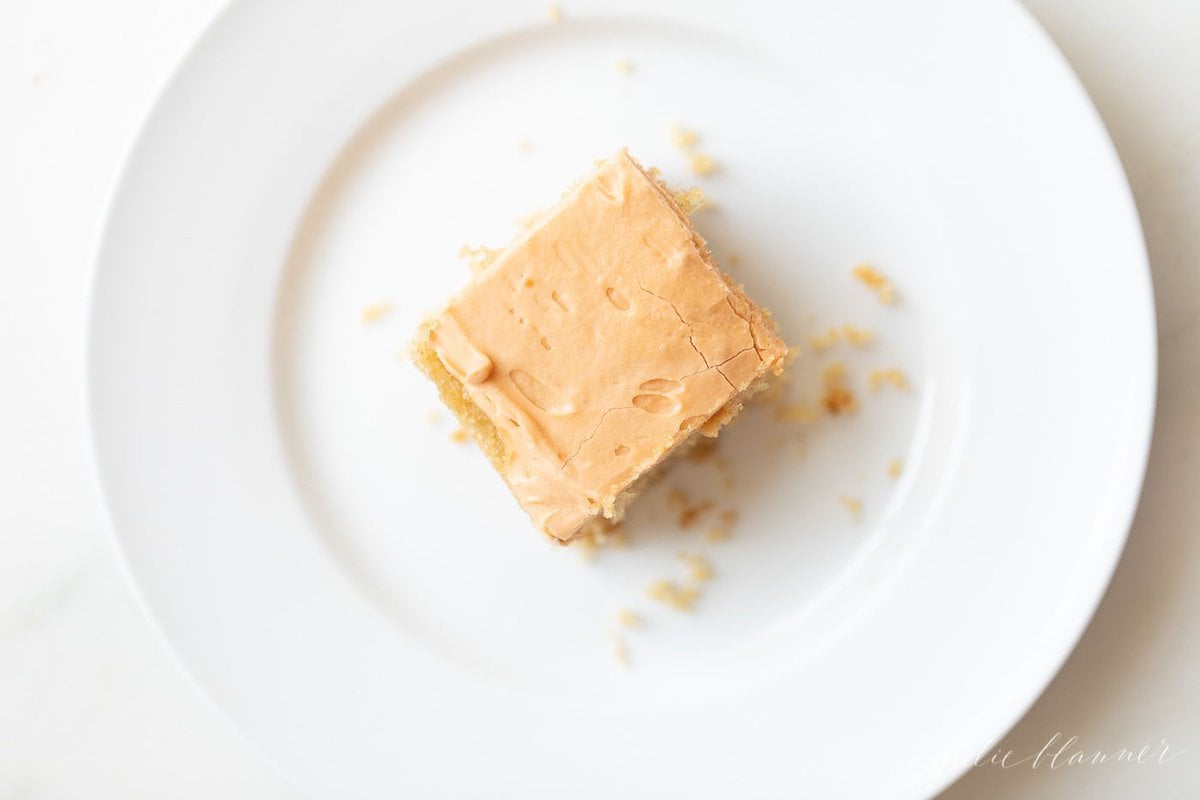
[361, 594]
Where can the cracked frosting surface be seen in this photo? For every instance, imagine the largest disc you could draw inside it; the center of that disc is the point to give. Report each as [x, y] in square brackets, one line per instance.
[598, 340]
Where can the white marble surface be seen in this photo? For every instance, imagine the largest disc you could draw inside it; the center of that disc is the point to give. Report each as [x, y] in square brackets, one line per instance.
[93, 706]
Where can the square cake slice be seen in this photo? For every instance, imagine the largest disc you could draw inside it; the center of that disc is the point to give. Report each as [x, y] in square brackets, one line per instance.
[600, 340]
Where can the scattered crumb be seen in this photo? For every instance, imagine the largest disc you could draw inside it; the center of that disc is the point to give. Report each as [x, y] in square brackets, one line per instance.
[859, 337]
[524, 146]
[837, 397]
[734, 259]
[624, 66]
[784, 379]
[702, 450]
[36, 79]
[669, 593]
[717, 533]
[875, 280]
[615, 538]
[722, 465]
[796, 412]
[620, 652]
[728, 517]
[853, 505]
[586, 546]
[677, 498]
[774, 391]
[598, 534]
[894, 468]
[692, 199]
[878, 378]
[698, 567]
[689, 200]
[376, 312]
[702, 164]
[527, 220]
[555, 13]
[690, 515]
[433, 417]
[824, 341]
[477, 257]
[628, 619]
[459, 436]
[683, 139]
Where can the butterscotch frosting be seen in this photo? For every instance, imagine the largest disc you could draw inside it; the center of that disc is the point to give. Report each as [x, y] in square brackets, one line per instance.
[597, 341]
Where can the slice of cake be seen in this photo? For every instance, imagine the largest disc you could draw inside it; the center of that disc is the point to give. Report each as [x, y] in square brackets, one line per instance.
[599, 341]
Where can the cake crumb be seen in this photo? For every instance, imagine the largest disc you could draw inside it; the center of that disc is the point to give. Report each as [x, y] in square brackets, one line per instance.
[837, 397]
[853, 505]
[524, 146]
[728, 517]
[671, 594]
[526, 221]
[555, 13]
[459, 436]
[824, 341]
[690, 200]
[598, 534]
[376, 312]
[477, 258]
[620, 651]
[702, 164]
[683, 139]
[717, 533]
[628, 619]
[586, 546]
[859, 337]
[699, 569]
[615, 538]
[895, 467]
[796, 412]
[874, 280]
[433, 417]
[677, 498]
[734, 259]
[690, 515]
[773, 391]
[723, 468]
[878, 378]
[624, 66]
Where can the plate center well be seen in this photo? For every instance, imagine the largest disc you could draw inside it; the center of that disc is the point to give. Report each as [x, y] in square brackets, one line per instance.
[805, 188]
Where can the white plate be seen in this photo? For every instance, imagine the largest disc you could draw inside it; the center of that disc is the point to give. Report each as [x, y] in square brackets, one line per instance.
[363, 597]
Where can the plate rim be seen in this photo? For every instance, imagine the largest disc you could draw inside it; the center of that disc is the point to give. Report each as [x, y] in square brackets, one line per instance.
[1122, 524]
